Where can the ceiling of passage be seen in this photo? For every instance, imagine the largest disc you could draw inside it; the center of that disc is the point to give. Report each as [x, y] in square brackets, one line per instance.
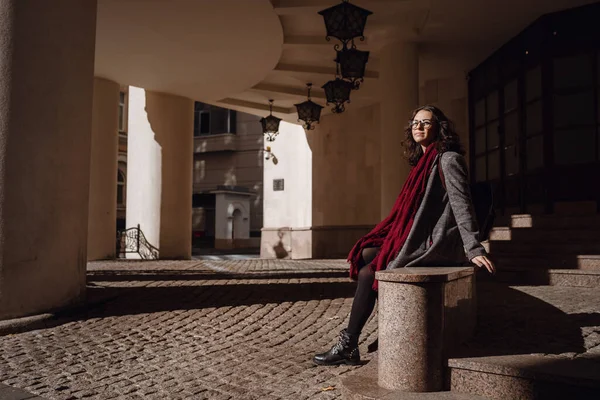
[201, 49]
[240, 53]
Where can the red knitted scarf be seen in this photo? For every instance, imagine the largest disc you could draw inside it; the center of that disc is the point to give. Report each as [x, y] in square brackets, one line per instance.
[391, 233]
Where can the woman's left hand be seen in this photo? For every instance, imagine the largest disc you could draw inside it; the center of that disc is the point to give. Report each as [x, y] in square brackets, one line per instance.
[483, 261]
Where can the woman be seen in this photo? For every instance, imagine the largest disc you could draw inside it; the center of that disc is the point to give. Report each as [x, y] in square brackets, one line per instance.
[432, 224]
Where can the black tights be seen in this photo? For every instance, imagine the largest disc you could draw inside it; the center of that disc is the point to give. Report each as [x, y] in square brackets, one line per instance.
[365, 297]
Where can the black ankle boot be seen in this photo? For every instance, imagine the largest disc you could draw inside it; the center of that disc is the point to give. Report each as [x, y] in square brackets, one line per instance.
[345, 351]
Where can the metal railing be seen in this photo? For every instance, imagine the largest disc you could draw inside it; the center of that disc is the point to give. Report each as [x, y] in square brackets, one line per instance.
[133, 241]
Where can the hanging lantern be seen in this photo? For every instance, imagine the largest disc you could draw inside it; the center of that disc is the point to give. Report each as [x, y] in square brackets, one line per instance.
[345, 21]
[270, 124]
[338, 93]
[309, 111]
[352, 63]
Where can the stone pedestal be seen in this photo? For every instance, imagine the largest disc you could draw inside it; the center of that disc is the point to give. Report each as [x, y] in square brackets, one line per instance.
[423, 313]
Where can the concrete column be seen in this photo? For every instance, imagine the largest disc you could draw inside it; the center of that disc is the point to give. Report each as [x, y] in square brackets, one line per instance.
[46, 90]
[399, 90]
[103, 171]
[159, 170]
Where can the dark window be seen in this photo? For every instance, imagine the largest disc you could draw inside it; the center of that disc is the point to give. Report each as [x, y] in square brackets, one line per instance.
[204, 122]
[535, 112]
[211, 120]
[203, 200]
[122, 112]
[120, 188]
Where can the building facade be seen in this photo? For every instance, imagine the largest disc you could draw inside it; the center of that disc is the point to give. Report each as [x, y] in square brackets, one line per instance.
[227, 173]
[227, 179]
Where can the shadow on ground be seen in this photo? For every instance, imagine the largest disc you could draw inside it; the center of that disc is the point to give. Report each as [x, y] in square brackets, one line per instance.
[169, 298]
[511, 321]
[178, 275]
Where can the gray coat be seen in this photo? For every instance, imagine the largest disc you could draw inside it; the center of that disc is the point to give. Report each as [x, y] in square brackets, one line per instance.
[445, 230]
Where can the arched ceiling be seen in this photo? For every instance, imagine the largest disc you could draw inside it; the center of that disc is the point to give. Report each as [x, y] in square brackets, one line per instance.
[240, 53]
[201, 49]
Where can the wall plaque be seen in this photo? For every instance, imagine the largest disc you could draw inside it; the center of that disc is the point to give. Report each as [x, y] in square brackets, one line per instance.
[277, 185]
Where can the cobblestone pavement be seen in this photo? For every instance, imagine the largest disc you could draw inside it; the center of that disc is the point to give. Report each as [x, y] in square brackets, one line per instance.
[192, 329]
[247, 329]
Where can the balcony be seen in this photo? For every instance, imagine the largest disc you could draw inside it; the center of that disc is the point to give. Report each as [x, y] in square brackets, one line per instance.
[215, 143]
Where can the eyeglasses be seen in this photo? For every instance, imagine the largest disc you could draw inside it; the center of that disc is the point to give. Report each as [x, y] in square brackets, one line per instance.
[425, 122]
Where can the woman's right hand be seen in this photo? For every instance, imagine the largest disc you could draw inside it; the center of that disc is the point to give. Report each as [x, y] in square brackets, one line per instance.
[483, 261]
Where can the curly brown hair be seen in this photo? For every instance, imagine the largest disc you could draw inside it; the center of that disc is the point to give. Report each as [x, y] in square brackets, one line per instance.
[446, 137]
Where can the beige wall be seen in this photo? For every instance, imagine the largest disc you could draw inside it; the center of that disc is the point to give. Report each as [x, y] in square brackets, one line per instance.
[240, 168]
[46, 91]
[346, 179]
[159, 184]
[399, 95]
[103, 171]
[346, 163]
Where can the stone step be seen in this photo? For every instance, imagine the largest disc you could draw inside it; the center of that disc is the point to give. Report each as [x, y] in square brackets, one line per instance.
[362, 385]
[575, 207]
[526, 377]
[553, 277]
[550, 221]
[564, 248]
[544, 261]
[546, 235]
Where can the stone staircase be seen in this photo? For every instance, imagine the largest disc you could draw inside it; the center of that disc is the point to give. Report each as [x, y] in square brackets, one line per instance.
[560, 249]
[542, 355]
[538, 327]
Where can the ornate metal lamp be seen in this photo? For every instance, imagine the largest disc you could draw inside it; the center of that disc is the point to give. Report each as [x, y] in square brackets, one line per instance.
[309, 111]
[270, 124]
[352, 64]
[338, 93]
[345, 22]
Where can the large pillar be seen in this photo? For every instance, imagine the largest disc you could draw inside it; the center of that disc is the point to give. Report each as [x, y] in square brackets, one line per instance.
[399, 90]
[103, 171]
[159, 170]
[46, 89]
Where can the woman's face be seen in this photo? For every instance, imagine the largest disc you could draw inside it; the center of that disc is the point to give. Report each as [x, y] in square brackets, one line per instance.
[423, 131]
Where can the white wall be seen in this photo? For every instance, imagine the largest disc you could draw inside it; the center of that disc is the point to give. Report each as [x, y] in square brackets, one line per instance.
[144, 169]
[291, 207]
